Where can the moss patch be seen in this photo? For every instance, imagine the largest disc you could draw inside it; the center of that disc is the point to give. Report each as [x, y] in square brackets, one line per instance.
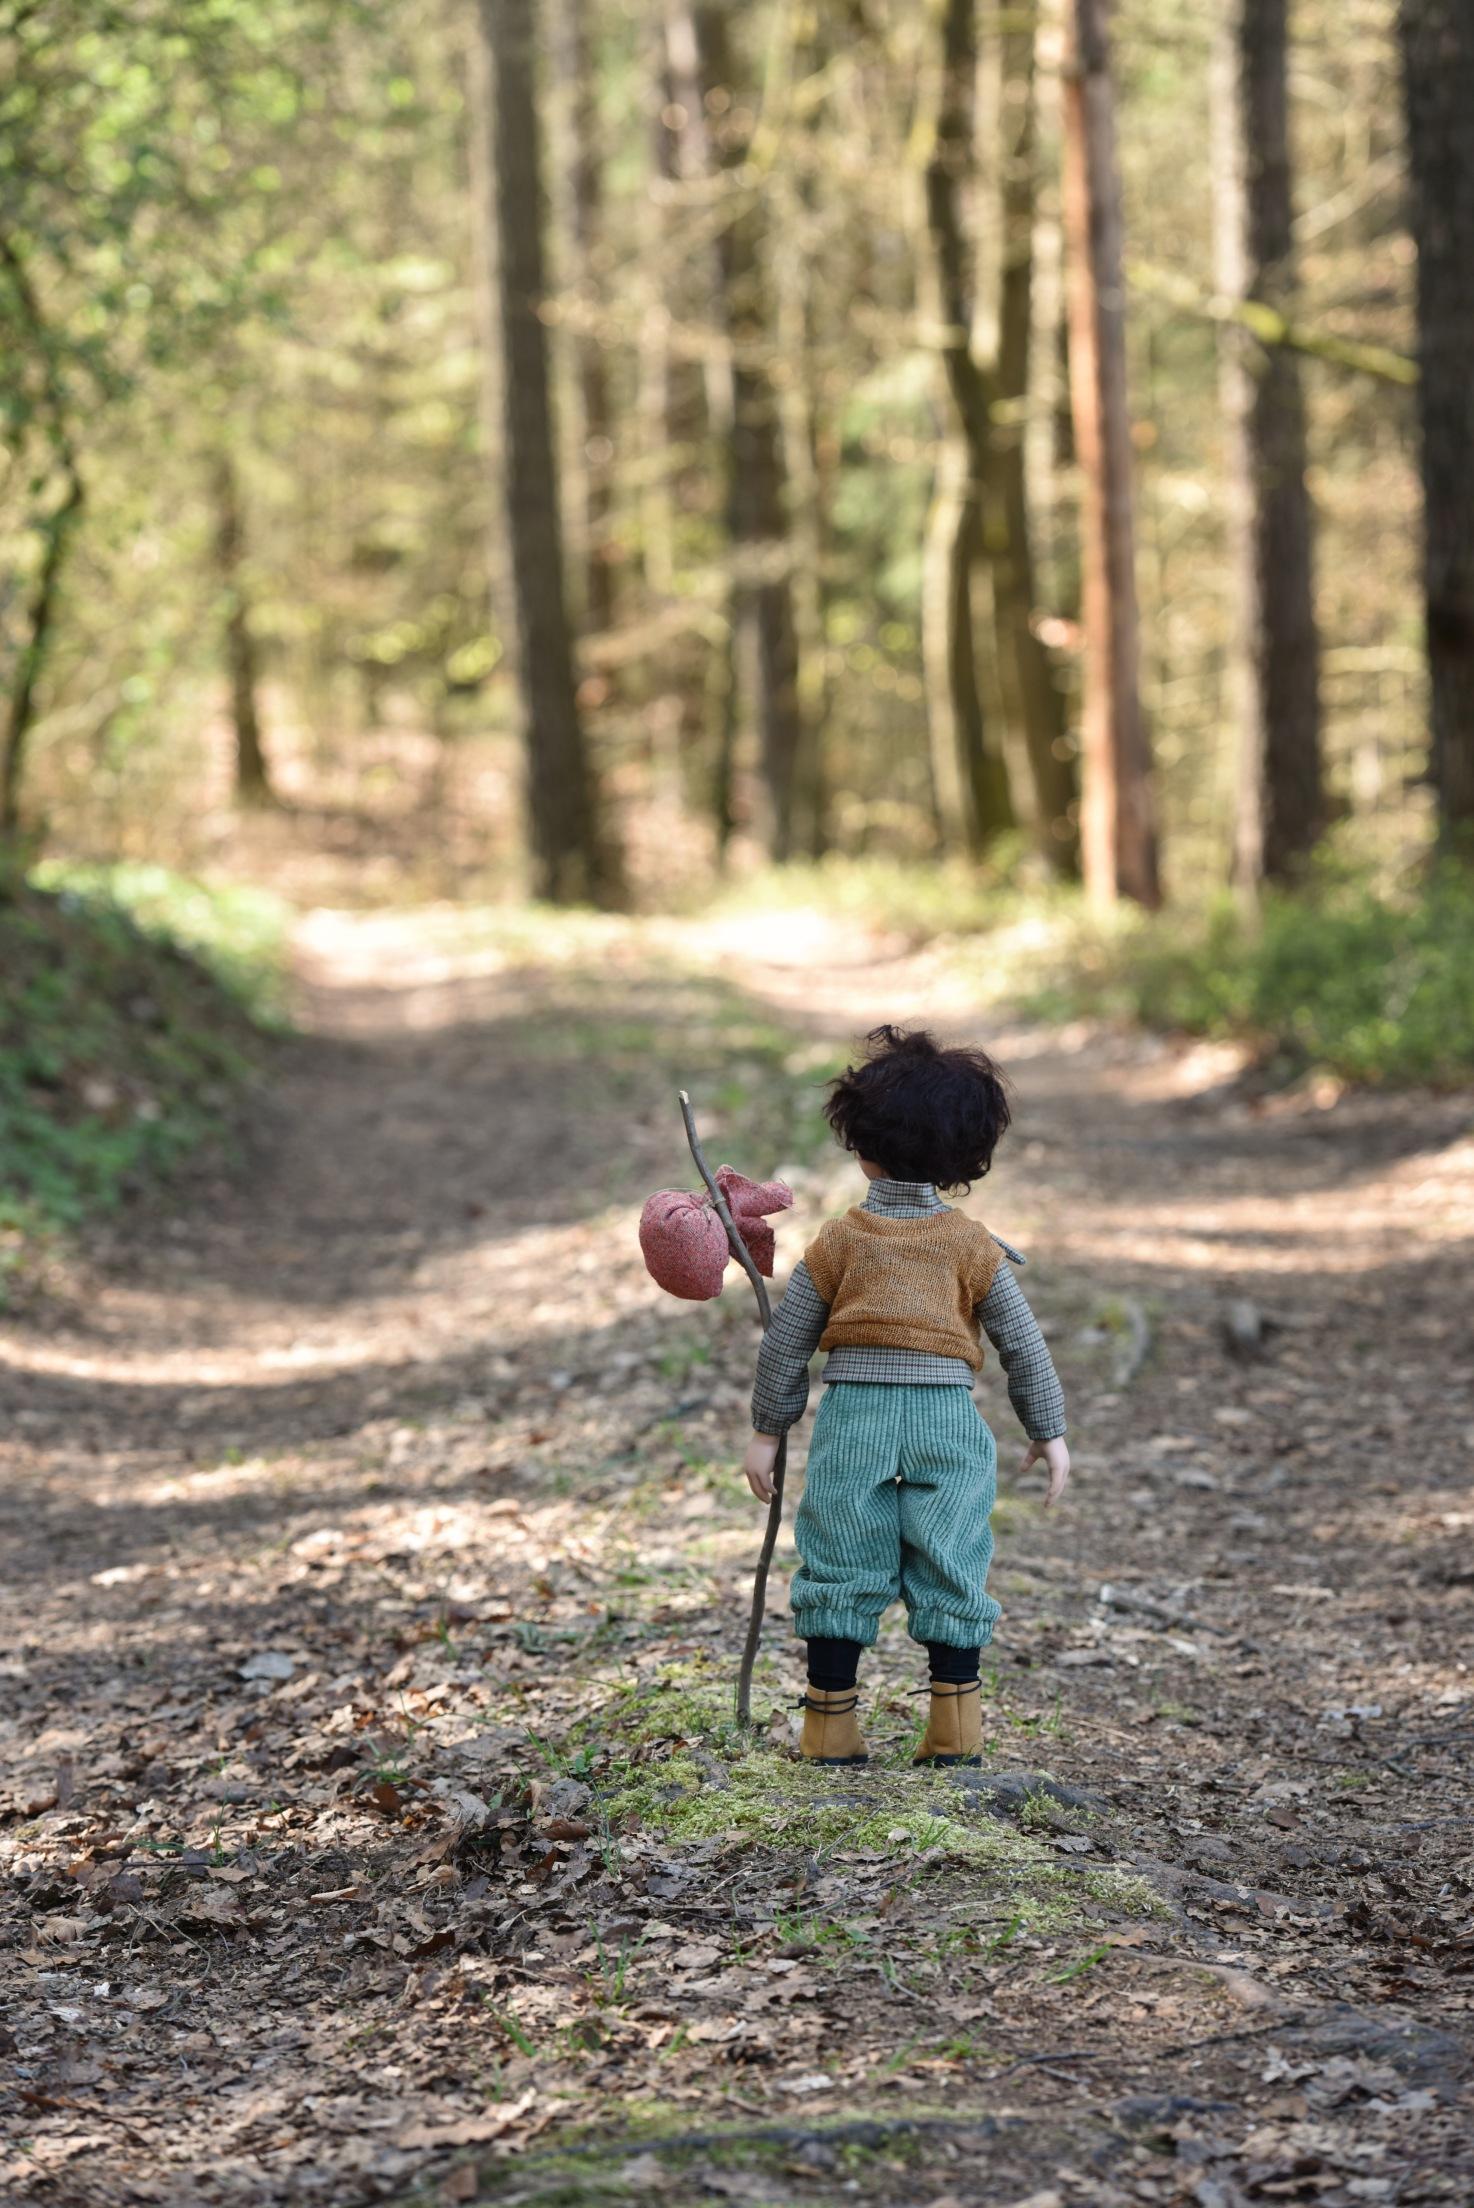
[680, 1768]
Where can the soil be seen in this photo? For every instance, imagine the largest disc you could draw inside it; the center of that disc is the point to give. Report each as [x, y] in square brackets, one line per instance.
[377, 1568]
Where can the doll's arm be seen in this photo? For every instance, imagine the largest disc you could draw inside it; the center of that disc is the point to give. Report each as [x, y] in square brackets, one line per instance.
[1033, 1384]
[781, 1391]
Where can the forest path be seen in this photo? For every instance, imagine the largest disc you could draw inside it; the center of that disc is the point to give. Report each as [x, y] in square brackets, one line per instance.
[352, 1490]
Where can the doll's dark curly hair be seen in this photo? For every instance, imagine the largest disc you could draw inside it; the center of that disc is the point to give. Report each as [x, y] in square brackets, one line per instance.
[923, 1112]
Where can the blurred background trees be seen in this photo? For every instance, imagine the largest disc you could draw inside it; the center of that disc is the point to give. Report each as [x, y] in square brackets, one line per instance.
[1438, 75]
[990, 429]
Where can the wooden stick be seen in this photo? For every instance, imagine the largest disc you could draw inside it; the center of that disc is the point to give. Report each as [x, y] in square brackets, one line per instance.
[744, 1258]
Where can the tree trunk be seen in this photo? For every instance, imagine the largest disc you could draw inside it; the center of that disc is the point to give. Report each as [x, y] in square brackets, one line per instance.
[1008, 531]
[1437, 38]
[803, 436]
[685, 403]
[1274, 680]
[1118, 827]
[806, 431]
[970, 794]
[757, 481]
[585, 213]
[1049, 441]
[252, 773]
[55, 529]
[39, 621]
[665, 423]
[969, 779]
[570, 863]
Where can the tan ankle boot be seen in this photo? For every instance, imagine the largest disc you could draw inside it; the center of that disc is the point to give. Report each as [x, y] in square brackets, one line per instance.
[954, 1730]
[831, 1729]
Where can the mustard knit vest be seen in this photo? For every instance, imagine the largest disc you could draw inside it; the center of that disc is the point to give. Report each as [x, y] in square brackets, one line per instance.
[904, 1283]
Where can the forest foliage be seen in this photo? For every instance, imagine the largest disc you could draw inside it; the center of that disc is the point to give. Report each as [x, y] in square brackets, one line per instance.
[809, 309]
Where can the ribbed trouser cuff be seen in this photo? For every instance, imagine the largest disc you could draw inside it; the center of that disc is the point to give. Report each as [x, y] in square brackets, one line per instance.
[957, 1632]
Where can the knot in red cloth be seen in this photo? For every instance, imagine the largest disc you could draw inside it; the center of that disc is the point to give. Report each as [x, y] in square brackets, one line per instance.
[684, 1243]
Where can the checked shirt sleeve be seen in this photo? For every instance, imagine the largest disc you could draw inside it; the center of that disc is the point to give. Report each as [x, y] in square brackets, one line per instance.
[781, 1391]
[1033, 1384]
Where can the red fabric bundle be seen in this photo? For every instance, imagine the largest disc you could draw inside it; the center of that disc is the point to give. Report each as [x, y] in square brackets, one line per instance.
[684, 1243]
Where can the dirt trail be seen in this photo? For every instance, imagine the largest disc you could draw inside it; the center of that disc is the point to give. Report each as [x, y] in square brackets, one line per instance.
[350, 1491]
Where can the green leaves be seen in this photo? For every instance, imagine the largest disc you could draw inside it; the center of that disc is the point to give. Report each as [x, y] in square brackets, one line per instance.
[139, 154]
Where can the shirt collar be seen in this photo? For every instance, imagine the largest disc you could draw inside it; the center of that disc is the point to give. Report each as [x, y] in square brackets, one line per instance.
[903, 1199]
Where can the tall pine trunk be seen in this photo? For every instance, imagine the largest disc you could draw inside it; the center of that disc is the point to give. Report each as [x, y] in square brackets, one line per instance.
[1274, 683]
[570, 864]
[38, 626]
[54, 527]
[1009, 530]
[596, 441]
[806, 420]
[969, 777]
[1118, 821]
[1437, 38]
[757, 485]
[1049, 443]
[686, 404]
[252, 772]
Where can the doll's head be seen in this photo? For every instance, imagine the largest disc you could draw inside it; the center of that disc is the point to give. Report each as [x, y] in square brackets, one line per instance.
[918, 1111]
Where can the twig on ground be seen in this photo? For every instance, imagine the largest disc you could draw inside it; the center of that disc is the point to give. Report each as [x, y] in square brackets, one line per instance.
[1244, 1988]
[744, 1258]
[1288, 2023]
[1121, 1598]
[1042, 2062]
[1424, 1778]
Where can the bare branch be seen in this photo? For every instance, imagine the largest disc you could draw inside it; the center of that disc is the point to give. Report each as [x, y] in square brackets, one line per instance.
[744, 1258]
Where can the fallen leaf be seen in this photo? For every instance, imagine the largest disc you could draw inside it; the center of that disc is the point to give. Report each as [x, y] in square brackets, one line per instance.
[468, 2131]
[699, 1956]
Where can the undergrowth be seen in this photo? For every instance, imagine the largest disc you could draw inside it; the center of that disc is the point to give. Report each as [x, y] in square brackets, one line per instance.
[1367, 982]
[237, 931]
[1360, 974]
[120, 1051]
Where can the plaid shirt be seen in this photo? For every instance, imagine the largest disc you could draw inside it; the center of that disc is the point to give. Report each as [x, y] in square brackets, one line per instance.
[781, 1391]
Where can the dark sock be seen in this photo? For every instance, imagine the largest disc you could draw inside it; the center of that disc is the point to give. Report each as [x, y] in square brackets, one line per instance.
[833, 1665]
[956, 1667]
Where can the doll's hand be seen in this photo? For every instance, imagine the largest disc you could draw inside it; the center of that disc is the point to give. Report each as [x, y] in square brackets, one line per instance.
[762, 1454]
[1056, 1455]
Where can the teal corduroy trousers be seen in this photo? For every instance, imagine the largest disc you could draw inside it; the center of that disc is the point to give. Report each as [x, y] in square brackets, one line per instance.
[897, 1497]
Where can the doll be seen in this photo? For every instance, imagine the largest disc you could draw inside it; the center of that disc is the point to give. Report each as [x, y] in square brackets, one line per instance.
[902, 1468]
